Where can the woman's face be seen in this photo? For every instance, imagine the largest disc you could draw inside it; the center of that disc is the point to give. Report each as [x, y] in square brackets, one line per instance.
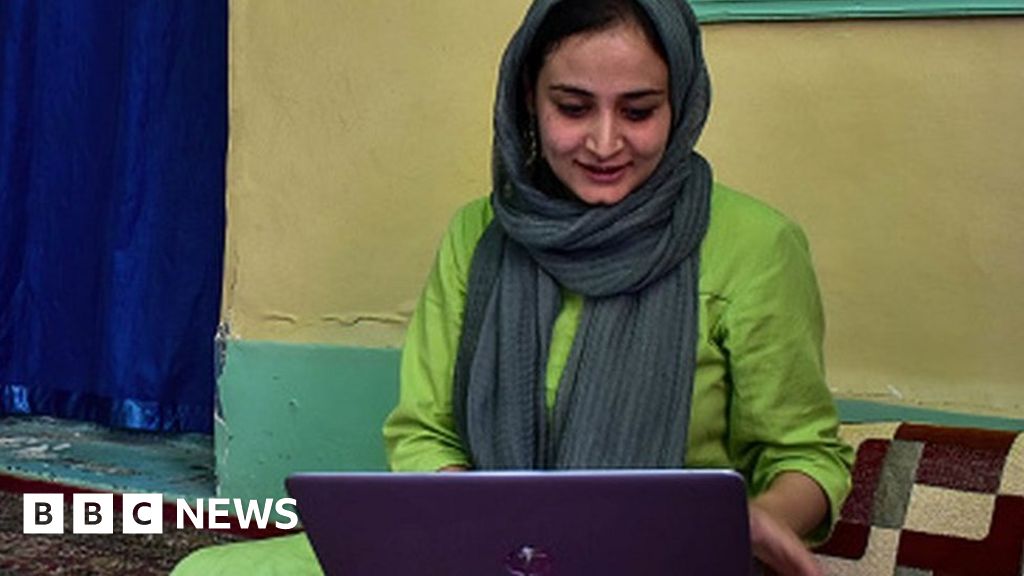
[603, 112]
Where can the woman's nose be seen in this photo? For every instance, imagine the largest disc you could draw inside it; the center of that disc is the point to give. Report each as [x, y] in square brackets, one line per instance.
[604, 139]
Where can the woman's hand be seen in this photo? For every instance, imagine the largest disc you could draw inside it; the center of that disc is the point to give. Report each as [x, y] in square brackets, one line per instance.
[778, 547]
[453, 469]
[793, 505]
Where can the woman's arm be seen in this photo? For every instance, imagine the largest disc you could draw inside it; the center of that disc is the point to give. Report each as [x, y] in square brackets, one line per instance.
[782, 422]
[796, 501]
[420, 432]
[792, 507]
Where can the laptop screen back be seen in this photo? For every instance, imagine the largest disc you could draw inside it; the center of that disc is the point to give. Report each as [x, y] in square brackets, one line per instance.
[649, 523]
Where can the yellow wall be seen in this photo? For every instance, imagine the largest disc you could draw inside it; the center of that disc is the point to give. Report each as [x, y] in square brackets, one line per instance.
[357, 128]
[899, 146]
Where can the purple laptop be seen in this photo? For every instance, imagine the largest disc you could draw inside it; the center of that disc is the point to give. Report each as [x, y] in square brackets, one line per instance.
[636, 523]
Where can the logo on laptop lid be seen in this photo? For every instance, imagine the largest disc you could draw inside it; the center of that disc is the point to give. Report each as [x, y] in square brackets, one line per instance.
[528, 560]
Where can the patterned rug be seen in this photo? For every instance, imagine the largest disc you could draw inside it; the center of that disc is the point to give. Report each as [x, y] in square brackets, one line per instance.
[89, 554]
[87, 454]
[931, 500]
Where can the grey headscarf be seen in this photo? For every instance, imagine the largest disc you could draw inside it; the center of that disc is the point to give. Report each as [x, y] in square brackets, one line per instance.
[624, 395]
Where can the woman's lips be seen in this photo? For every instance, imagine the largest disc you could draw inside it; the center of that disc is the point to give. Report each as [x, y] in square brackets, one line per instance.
[603, 174]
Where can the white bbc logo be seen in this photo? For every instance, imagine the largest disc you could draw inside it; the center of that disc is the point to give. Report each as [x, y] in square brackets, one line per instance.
[142, 513]
[93, 514]
[43, 514]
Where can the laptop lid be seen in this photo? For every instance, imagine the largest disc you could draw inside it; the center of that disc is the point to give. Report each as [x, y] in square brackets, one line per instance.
[639, 523]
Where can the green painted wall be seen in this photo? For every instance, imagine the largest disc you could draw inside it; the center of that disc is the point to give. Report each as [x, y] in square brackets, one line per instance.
[289, 407]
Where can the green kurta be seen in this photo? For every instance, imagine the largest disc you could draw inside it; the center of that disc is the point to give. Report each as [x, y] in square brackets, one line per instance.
[760, 404]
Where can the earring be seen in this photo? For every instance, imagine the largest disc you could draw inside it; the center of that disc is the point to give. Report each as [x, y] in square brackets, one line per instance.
[531, 141]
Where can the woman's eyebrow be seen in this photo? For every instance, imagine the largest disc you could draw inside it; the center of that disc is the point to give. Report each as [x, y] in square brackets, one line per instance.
[643, 94]
[569, 89]
[577, 91]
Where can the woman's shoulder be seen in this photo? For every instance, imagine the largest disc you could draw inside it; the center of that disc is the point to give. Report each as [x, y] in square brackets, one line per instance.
[464, 231]
[469, 222]
[735, 213]
[477, 213]
[745, 237]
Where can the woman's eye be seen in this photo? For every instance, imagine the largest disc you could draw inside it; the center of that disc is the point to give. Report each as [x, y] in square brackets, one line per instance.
[637, 114]
[572, 110]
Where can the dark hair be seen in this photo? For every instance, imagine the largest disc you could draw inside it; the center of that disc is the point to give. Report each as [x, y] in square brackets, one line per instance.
[571, 17]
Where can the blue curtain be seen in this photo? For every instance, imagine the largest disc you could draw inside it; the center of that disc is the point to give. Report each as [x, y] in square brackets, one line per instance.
[113, 136]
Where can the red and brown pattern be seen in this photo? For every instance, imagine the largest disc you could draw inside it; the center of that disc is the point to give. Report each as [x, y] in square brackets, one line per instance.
[931, 500]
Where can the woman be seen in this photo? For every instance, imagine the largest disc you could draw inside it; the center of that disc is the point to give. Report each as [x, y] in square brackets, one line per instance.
[608, 305]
